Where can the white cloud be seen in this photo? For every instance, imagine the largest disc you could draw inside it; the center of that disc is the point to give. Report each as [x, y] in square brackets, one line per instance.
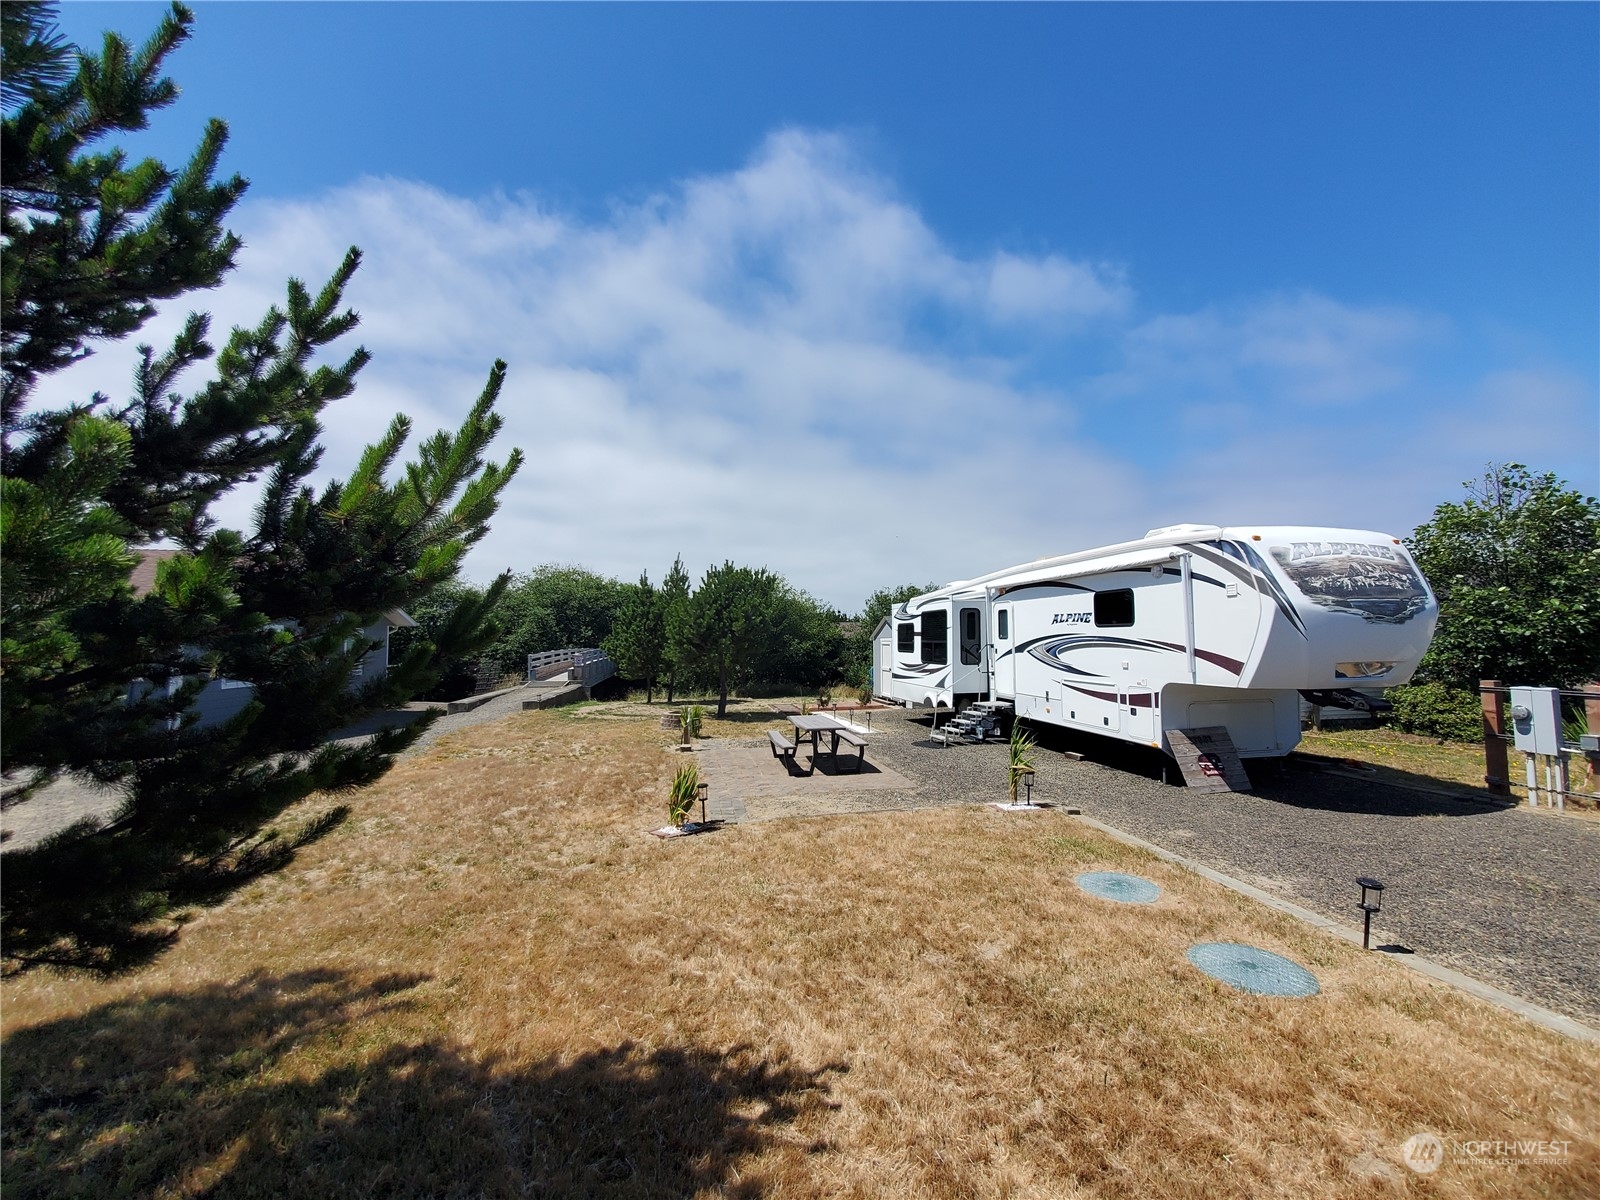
[1306, 349]
[747, 366]
[1053, 287]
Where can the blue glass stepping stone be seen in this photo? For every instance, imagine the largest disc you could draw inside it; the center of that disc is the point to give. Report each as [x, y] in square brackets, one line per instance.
[1260, 972]
[1114, 885]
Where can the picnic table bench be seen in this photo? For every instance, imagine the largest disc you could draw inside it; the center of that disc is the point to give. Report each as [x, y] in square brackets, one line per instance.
[853, 739]
[782, 747]
[812, 726]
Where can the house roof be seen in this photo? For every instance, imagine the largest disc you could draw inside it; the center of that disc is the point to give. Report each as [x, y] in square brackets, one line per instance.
[143, 576]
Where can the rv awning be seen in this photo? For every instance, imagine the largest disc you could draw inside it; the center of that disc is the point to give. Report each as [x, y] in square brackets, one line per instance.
[1129, 561]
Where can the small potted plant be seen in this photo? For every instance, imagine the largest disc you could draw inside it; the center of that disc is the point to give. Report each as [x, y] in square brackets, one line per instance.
[1021, 758]
[680, 800]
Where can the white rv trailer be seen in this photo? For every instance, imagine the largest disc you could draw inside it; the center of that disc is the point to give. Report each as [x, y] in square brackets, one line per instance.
[1190, 626]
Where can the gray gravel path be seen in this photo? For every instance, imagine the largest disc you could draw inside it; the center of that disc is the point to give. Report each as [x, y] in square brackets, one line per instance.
[1508, 895]
[493, 710]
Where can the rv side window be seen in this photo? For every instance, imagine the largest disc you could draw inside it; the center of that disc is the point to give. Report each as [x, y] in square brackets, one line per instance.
[907, 633]
[936, 637]
[1114, 608]
[1003, 631]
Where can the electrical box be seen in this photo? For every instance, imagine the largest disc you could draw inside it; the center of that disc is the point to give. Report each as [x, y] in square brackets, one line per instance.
[1536, 719]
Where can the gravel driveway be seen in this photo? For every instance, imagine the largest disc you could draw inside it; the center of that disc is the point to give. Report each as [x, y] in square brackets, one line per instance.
[1508, 895]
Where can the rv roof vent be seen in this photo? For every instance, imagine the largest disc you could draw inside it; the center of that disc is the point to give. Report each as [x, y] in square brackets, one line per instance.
[1167, 530]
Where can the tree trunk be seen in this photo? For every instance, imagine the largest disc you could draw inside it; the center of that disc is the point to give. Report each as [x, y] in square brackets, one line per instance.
[722, 698]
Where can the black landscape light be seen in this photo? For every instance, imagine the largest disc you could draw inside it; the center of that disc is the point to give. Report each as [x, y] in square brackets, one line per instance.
[1027, 782]
[1371, 902]
[701, 791]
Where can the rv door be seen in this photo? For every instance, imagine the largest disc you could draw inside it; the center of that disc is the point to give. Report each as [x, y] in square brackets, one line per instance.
[1002, 656]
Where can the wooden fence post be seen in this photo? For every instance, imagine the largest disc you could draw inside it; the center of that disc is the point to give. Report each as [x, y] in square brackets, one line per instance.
[1591, 709]
[1496, 766]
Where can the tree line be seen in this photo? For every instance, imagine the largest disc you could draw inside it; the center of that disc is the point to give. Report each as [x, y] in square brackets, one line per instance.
[1515, 565]
[737, 629]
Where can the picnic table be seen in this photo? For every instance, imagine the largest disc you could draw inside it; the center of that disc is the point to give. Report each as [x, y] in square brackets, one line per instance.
[814, 725]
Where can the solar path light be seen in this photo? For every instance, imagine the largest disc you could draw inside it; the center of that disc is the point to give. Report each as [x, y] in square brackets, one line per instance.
[1027, 782]
[701, 792]
[1371, 902]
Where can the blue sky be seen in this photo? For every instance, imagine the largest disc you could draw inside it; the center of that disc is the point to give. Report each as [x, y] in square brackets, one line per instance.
[888, 292]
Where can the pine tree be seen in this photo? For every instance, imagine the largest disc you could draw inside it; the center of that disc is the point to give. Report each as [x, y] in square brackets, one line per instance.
[99, 682]
[92, 243]
[729, 624]
[674, 598]
[638, 639]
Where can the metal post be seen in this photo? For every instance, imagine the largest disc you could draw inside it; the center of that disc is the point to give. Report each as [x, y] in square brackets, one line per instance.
[1533, 784]
[1369, 885]
[1496, 766]
[1188, 614]
[1591, 711]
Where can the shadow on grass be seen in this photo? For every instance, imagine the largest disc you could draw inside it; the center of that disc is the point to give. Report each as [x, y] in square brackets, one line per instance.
[272, 1086]
[1313, 781]
[758, 716]
[100, 900]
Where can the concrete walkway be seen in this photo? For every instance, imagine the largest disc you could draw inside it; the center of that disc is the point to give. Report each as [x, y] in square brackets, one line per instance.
[747, 783]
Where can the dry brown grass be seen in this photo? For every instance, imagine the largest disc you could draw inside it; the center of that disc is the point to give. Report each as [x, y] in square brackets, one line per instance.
[490, 983]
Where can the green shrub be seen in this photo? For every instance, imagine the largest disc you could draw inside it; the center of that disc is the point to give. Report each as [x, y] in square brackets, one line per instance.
[692, 719]
[1437, 710]
[685, 786]
[1022, 761]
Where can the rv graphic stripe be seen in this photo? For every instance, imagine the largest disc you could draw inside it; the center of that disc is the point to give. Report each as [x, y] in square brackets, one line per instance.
[935, 684]
[1049, 650]
[1210, 656]
[918, 671]
[1014, 592]
[1278, 594]
[1254, 573]
[1132, 699]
